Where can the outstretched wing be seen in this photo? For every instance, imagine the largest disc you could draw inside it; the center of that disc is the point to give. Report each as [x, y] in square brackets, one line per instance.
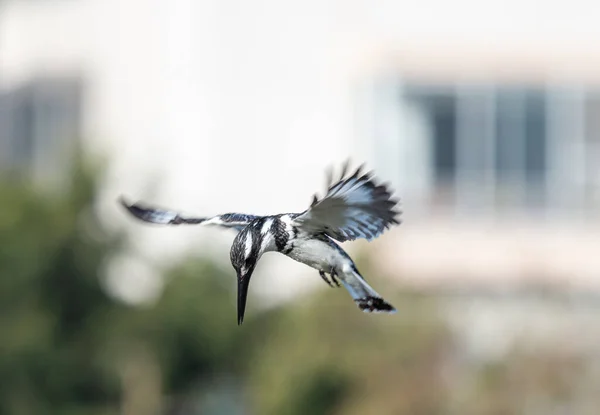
[354, 207]
[167, 217]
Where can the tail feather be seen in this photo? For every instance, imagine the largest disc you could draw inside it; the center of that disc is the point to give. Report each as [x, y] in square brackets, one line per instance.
[365, 297]
[374, 305]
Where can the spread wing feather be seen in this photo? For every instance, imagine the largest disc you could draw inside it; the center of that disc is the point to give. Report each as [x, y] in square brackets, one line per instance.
[353, 207]
[156, 215]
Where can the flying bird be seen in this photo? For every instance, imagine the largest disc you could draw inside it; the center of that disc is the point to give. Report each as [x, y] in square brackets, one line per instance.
[354, 207]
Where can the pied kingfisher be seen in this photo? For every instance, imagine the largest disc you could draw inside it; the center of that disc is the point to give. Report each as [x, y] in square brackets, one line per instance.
[353, 207]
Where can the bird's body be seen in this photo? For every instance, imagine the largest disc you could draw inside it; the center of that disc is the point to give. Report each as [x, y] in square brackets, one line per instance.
[320, 253]
[354, 207]
[276, 233]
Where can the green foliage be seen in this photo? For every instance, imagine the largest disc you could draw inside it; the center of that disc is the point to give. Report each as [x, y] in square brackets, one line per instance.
[66, 347]
[324, 354]
[50, 300]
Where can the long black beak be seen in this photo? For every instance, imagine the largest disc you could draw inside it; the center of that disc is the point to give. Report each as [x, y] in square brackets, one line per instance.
[243, 283]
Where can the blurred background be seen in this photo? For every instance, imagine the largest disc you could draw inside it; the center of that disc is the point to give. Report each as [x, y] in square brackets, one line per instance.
[483, 116]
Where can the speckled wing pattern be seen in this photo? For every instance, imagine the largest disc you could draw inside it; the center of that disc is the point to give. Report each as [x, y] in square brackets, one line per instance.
[354, 207]
[150, 214]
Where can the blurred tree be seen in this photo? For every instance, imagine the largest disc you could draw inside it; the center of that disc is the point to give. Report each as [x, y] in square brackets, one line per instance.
[323, 356]
[66, 347]
[190, 335]
[69, 348]
[51, 300]
[527, 382]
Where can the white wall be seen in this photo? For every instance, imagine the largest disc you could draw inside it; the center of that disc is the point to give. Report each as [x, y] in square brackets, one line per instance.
[239, 105]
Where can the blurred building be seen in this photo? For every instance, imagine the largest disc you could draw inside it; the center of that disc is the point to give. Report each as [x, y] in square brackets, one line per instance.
[483, 116]
[40, 123]
[503, 170]
[496, 146]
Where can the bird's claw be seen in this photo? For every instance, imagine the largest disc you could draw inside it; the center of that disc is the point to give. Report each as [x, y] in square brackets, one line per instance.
[333, 283]
[322, 274]
[334, 279]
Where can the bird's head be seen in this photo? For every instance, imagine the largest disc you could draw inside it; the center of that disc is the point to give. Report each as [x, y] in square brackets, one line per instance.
[244, 254]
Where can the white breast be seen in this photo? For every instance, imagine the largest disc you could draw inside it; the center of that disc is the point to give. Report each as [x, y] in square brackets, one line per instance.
[317, 254]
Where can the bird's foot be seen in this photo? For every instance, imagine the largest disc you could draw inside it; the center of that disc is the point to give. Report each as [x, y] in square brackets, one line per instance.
[334, 278]
[322, 274]
[333, 283]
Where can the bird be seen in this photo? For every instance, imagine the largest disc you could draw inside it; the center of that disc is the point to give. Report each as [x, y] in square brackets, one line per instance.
[355, 206]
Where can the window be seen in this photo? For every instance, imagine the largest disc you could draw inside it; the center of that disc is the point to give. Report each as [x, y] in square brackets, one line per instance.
[535, 136]
[502, 143]
[40, 128]
[510, 121]
[439, 106]
[592, 146]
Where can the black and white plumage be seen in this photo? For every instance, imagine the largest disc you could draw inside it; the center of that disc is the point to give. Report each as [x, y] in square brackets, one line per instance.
[237, 221]
[353, 207]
